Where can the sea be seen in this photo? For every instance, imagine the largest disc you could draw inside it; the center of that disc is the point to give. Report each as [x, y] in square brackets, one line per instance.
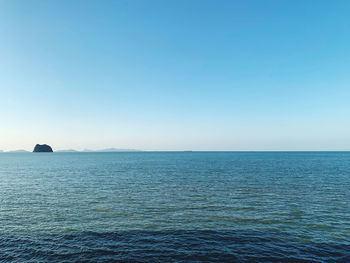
[175, 207]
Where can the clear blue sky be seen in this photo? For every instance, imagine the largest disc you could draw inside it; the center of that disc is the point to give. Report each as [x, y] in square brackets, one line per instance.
[175, 75]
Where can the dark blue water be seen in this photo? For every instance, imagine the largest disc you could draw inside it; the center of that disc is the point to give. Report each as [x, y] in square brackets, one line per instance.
[175, 207]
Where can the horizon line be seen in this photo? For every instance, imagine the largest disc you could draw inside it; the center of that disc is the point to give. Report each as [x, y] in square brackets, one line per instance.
[143, 151]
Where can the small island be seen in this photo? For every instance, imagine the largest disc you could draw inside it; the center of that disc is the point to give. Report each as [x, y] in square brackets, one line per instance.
[42, 148]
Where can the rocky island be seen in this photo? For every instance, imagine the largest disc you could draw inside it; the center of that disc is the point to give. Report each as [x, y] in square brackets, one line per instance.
[42, 148]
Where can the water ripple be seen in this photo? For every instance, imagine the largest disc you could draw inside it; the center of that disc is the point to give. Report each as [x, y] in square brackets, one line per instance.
[218, 207]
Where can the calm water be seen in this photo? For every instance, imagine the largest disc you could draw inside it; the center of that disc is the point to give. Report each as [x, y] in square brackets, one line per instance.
[175, 207]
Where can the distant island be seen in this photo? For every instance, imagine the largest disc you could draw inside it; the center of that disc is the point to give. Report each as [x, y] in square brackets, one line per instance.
[47, 148]
[18, 151]
[102, 150]
[112, 150]
[67, 151]
[42, 148]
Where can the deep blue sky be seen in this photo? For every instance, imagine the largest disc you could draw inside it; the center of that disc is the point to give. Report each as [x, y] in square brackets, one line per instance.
[175, 75]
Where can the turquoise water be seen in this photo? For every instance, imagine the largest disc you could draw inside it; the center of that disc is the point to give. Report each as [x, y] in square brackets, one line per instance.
[175, 206]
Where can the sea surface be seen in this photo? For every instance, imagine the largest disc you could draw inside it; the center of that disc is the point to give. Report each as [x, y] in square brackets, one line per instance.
[175, 207]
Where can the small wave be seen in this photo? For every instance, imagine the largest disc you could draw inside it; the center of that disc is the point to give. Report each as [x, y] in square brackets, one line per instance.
[167, 246]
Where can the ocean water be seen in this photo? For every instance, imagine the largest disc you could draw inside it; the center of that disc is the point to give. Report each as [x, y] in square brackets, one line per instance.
[175, 207]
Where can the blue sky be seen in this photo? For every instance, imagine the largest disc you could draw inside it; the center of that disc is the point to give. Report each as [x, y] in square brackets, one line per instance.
[175, 75]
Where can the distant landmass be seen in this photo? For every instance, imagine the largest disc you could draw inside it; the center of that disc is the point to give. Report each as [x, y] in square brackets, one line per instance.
[117, 150]
[18, 151]
[42, 148]
[101, 150]
[112, 150]
[67, 151]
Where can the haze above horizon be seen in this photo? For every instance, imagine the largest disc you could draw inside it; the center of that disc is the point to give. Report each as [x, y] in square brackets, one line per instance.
[175, 75]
